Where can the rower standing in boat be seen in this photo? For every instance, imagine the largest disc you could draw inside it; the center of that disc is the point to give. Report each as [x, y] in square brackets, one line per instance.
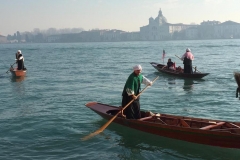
[131, 90]
[187, 61]
[237, 78]
[20, 60]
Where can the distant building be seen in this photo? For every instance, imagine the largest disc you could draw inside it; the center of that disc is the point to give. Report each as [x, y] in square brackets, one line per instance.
[112, 35]
[157, 29]
[3, 39]
[53, 38]
[160, 29]
[228, 29]
[91, 36]
[130, 36]
[192, 33]
[206, 29]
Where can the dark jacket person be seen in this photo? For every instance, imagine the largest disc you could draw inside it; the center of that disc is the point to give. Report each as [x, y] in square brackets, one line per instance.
[20, 60]
[130, 91]
[187, 61]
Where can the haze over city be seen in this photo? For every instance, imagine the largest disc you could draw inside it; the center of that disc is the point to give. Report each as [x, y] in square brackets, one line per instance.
[124, 15]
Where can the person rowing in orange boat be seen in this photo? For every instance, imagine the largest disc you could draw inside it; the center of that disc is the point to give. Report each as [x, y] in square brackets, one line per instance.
[20, 60]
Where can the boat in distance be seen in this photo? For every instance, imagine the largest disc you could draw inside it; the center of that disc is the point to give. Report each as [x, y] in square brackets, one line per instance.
[17, 73]
[196, 130]
[179, 73]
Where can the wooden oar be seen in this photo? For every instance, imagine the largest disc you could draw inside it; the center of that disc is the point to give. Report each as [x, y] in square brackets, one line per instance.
[110, 121]
[192, 67]
[196, 69]
[11, 66]
[179, 57]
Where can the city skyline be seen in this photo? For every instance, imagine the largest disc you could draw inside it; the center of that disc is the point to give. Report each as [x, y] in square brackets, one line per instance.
[103, 14]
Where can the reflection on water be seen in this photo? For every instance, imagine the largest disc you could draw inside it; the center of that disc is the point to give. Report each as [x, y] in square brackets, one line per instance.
[188, 84]
[140, 145]
[18, 85]
[171, 80]
[17, 79]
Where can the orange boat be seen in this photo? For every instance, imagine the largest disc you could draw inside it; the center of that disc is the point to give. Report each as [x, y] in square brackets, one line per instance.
[17, 73]
[196, 130]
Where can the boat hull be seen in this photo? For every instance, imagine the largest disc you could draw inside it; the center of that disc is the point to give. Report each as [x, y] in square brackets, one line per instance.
[180, 132]
[195, 75]
[18, 73]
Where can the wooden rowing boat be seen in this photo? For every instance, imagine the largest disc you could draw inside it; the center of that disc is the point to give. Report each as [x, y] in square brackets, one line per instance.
[17, 73]
[179, 72]
[196, 130]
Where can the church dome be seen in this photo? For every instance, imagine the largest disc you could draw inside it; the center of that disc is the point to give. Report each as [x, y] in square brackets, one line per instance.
[160, 19]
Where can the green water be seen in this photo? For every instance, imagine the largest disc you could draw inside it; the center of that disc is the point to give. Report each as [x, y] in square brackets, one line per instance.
[43, 115]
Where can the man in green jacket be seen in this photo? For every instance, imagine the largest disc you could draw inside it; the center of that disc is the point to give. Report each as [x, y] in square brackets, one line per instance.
[131, 89]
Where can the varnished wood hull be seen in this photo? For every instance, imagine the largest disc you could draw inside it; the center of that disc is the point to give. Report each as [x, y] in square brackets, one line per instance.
[196, 130]
[18, 73]
[159, 67]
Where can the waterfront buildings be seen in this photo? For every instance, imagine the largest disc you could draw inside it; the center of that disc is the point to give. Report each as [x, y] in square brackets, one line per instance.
[157, 29]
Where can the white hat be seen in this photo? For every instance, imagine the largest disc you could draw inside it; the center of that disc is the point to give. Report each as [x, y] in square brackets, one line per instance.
[137, 67]
[188, 50]
[19, 51]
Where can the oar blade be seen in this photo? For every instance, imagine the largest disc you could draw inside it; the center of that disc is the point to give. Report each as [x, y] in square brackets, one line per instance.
[90, 135]
[100, 129]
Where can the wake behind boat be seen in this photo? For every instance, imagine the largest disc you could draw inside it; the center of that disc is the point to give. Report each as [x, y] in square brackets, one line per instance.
[178, 72]
[195, 130]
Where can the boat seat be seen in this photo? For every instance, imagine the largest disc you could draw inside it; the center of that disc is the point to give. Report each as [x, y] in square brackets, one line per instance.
[159, 119]
[201, 122]
[155, 118]
[184, 123]
[145, 118]
[213, 126]
[232, 125]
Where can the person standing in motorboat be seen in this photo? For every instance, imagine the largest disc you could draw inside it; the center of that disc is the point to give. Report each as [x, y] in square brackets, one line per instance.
[187, 58]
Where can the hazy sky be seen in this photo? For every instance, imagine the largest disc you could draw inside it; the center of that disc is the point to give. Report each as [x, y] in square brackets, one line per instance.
[127, 15]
